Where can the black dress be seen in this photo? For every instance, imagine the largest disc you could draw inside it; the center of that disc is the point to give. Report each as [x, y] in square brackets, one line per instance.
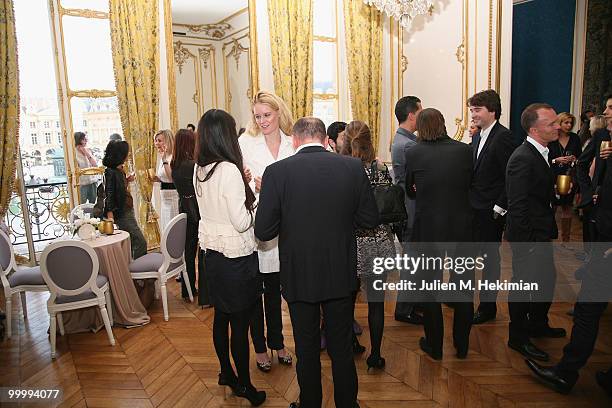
[555, 149]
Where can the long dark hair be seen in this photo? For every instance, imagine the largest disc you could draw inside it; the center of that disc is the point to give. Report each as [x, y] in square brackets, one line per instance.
[115, 154]
[218, 142]
[184, 147]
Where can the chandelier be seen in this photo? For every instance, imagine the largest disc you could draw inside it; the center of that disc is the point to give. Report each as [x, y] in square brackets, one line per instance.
[402, 10]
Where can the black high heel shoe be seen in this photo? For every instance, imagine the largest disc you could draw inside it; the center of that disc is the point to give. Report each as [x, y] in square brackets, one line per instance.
[266, 366]
[376, 362]
[256, 398]
[228, 379]
[287, 360]
[357, 348]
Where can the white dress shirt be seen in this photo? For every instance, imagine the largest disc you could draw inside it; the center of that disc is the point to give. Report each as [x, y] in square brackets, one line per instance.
[484, 134]
[542, 149]
[226, 225]
[256, 157]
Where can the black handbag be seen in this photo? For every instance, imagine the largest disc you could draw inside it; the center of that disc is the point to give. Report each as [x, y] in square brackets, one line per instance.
[389, 199]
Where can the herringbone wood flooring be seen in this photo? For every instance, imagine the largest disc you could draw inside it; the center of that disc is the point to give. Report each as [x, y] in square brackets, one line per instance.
[173, 364]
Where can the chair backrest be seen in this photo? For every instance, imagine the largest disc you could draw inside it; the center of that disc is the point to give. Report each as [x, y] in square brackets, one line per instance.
[87, 208]
[173, 239]
[69, 268]
[7, 258]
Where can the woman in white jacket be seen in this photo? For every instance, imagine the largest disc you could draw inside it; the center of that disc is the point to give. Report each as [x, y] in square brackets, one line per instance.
[266, 141]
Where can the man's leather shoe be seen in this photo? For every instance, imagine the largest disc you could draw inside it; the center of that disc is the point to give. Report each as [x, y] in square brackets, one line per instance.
[529, 350]
[294, 405]
[482, 317]
[547, 331]
[412, 318]
[424, 345]
[548, 376]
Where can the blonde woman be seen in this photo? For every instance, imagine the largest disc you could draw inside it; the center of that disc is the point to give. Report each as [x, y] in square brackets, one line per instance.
[266, 141]
[164, 143]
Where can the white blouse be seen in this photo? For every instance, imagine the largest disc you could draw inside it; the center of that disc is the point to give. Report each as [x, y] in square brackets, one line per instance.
[257, 157]
[83, 163]
[226, 225]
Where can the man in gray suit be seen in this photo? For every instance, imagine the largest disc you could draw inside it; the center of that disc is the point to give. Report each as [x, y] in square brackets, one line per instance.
[406, 110]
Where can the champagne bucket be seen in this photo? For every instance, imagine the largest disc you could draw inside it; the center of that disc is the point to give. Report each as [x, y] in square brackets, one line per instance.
[563, 184]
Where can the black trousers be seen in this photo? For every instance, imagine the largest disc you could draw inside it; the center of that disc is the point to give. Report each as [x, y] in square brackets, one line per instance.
[531, 262]
[306, 320]
[488, 234]
[592, 302]
[402, 305]
[191, 249]
[274, 322]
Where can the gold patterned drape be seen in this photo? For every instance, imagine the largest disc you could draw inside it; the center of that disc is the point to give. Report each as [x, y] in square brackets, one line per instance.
[9, 104]
[363, 28]
[291, 43]
[135, 42]
[170, 66]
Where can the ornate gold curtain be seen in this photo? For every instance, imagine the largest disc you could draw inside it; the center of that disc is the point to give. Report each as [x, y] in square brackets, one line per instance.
[363, 30]
[134, 39]
[9, 104]
[291, 43]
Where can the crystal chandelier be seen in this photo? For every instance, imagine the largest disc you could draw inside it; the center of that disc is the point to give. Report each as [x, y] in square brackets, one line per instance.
[402, 10]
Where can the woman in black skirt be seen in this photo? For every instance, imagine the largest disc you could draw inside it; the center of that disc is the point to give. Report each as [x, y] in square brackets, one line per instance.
[563, 154]
[182, 165]
[226, 205]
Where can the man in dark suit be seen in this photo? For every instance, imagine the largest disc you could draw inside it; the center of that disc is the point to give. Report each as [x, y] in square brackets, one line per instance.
[438, 177]
[492, 146]
[407, 109]
[313, 201]
[594, 292]
[530, 228]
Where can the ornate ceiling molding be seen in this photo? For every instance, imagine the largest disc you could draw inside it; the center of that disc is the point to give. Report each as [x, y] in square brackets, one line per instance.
[216, 30]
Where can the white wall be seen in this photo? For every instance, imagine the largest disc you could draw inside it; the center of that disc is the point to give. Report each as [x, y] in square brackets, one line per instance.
[213, 73]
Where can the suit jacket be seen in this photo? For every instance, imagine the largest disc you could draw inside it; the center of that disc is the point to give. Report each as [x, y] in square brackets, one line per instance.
[489, 182]
[587, 185]
[313, 201]
[442, 173]
[530, 187]
[402, 141]
[603, 212]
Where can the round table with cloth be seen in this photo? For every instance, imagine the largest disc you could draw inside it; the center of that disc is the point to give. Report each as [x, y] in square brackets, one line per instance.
[114, 254]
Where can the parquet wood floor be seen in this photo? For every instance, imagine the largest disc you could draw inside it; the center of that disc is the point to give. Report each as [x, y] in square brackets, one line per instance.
[173, 364]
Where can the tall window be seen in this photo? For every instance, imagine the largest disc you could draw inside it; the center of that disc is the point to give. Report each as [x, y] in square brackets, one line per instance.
[325, 60]
[48, 137]
[47, 124]
[59, 138]
[32, 125]
[34, 138]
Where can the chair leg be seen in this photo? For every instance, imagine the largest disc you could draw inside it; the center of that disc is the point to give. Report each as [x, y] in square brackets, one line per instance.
[52, 334]
[107, 325]
[60, 323]
[164, 295]
[157, 290]
[188, 284]
[9, 318]
[109, 307]
[23, 305]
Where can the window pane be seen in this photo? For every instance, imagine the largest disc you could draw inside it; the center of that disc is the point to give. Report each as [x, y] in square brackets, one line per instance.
[99, 5]
[88, 57]
[326, 110]
[98, 118]
[324, 67]
[324, 18]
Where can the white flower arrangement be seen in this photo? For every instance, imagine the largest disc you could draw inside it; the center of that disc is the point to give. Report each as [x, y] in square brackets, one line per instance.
[78, 223]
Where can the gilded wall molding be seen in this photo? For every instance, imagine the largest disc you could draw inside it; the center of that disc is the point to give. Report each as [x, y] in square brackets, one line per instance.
[490, 47]
[92, 93]
[204, 54]
[236, 50]
[253, 57]
[181, 54]
[463, 58]
[82, 13]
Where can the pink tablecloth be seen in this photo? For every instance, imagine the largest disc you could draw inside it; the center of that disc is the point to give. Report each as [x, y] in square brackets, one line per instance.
[114, 254]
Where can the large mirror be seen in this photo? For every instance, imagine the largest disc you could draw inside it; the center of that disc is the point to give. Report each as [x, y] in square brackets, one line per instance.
[212, 58]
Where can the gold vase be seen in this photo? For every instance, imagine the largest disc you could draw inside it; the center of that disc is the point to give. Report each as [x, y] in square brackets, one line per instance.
[563, 184]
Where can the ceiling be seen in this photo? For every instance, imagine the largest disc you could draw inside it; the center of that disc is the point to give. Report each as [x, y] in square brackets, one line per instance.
[204, 11]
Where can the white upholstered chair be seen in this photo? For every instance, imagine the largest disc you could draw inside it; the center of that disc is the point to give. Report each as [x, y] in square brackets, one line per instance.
[70, 269]
[167, 264]
[16, 280]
